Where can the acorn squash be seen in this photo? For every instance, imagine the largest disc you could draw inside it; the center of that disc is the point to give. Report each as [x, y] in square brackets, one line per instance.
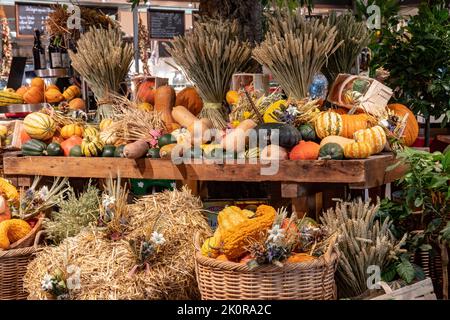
[288, 135]
[34, 147]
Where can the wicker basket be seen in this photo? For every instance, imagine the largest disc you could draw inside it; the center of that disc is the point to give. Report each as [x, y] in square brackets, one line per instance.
[223, 280]
[13, 266]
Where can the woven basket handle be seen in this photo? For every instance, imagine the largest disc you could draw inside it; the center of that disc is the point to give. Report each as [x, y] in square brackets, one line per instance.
[37, 239]
[342, 86]
[197, 241]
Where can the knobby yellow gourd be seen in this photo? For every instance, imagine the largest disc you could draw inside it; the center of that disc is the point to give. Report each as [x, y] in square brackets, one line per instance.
[12, 230]
[9, 190]
[238, 237]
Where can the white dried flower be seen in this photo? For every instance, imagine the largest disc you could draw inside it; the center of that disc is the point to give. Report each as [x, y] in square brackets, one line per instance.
[43, 192]
[157, 238]
[276, 234]
[47, 282]
[108, 200]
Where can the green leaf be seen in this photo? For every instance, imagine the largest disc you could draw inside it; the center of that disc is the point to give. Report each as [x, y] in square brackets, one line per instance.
[406, 271]
[420, 274]
[389, 273]
[446, 232]
[418, 202]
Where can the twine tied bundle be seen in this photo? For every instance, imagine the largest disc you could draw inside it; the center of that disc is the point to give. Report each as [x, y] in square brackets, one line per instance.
[209, 56]
[104, 60]
[295, 50]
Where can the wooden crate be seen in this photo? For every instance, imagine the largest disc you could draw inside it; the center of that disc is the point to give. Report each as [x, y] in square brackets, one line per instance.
[15, 126]
[422, 290]
[374, 101]
[259, 81]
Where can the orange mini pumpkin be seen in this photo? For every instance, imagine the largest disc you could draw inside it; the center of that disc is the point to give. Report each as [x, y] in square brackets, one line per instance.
[77, 104]
[300, 257]
[72, 130]
[305, 150]
[146, 92]
[22, 90]
[34, 95]
[38, 83]
[53, 96]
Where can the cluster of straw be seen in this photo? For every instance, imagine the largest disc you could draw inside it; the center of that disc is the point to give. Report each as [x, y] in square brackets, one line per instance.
[104, 264]
[209, 55]
[103, 59]
[363, 242]
[131, 123]
[355, 36]
[295, 49]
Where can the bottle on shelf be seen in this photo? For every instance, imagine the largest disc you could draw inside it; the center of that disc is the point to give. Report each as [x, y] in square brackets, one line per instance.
[65, 59]
[54, 52]
[38, 52]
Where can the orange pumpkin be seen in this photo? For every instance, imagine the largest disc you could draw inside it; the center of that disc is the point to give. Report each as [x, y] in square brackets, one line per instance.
[72, 130]
[38, 83]
[52, 87]
[342, 110]
[146, 92]
[53, 96]
[246, 258]
[190, 99]
[24, 137]
[412, 126]
[71, 92]
[22, 90]
[300, 257]
[68, 144]
[34, 95]
[355, 122]
[305, 150]
[77, 104]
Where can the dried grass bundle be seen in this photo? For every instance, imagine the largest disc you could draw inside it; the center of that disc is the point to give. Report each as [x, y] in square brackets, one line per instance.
[295, 50]
[209, 55]
[355, 36]
[104, 60]
[104, 265]
[73, 215]
[363, 242]
[132, 123]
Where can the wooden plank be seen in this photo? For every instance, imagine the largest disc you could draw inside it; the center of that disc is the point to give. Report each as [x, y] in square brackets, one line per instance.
[343, 171]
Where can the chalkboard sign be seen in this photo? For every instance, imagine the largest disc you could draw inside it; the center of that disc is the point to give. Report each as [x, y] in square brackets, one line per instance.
[165, 24]
[30, 17]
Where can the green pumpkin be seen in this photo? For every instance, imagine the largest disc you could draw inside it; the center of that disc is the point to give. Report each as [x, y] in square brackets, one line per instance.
[54, 149]
[166, 139]
[75, 151]
[153, 153]
[118, 153]
[108, 151]
[331, 151]
[307, 131]
[289, 136]
[34, 147]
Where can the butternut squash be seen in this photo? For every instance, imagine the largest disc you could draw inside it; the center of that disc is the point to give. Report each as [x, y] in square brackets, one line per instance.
[164, 102]
[237, 139]
[183, 116]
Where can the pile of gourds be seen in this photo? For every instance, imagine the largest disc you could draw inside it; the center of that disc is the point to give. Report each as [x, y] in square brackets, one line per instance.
[237, 229]
[39, 92]
[11, 230]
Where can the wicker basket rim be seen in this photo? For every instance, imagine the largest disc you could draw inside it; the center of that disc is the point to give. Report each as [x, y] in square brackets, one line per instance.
[234, 266]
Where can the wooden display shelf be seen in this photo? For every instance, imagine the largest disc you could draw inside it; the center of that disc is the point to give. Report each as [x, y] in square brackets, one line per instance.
[365, 173]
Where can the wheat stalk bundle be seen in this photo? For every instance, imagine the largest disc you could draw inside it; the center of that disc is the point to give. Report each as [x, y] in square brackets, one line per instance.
[355, 36]
[104, 60]
[363, 242]
[209, 55]
[295, 50]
